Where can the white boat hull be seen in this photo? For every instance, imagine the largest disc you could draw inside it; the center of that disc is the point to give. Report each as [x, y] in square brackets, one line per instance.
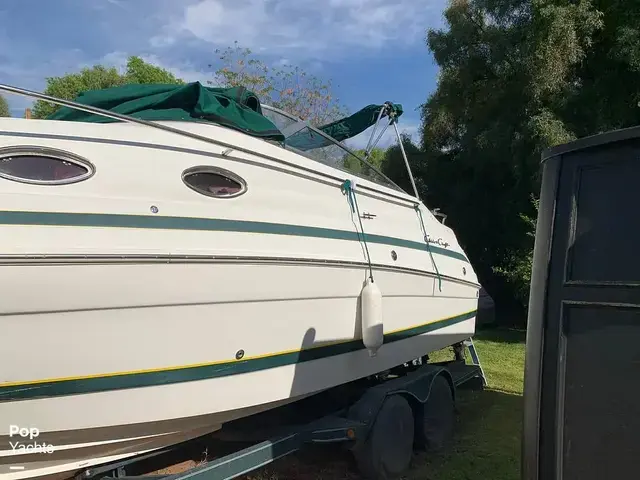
[161, 342]
[125, 330]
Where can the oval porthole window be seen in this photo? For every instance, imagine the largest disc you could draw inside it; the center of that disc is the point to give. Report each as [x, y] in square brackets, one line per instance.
[42, 166]
[214, 182]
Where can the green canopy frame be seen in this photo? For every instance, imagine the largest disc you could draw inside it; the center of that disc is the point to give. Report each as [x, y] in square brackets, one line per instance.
[305, 137]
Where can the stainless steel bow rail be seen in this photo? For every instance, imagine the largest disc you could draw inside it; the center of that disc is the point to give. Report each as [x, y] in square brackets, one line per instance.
[384, 113]
[407, 407]
[228, 147]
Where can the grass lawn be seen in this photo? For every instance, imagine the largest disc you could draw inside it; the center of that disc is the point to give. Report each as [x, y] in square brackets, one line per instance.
[487, 442]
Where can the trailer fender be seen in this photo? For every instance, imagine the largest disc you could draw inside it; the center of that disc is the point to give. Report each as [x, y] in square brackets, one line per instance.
[415, 387]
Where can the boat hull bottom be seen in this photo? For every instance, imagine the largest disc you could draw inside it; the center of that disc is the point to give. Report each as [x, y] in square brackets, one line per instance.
[110, 444]
[105, 445]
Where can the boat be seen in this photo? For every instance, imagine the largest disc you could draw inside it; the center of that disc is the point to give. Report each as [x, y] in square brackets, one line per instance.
[176, 257]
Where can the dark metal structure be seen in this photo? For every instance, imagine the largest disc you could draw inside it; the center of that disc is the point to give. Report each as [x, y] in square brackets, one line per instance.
[582, 375]
[486, 309]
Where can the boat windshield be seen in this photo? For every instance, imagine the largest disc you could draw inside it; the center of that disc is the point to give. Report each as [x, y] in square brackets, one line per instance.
[308, 141]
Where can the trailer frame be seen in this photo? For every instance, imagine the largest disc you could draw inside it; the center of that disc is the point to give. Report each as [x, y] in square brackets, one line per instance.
[354, 425]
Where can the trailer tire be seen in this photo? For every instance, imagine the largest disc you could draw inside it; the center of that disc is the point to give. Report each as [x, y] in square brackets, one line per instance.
[435, 424]
[388, 449]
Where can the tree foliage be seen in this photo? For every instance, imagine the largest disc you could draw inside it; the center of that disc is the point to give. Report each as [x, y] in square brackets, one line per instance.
[286, 87]
[4, 107]
[71, 85]
[516, 267]
[139, 71]
[396, 169]
[389, 162]
[518, 76]
[376, 158]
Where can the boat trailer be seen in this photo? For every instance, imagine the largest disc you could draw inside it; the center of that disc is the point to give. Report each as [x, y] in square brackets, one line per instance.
[381, 428]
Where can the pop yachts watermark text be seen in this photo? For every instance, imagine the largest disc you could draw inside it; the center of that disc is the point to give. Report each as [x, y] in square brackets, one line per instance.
[24, 440]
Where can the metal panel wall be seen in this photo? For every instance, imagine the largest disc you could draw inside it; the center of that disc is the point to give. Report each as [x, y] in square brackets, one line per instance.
[582, 379]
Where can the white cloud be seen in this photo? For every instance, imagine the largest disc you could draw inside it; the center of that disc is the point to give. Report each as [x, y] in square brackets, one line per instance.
[184, 70]
[19, 69]
[106, 4]
[180, 36]
[115, 59]
[310, 28]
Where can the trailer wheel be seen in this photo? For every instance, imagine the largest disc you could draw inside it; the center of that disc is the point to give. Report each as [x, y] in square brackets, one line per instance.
[437, 419]
[387, 451]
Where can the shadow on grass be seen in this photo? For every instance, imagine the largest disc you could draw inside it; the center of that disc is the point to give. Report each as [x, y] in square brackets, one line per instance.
[486, 445]
[487, 441]
[488, 434]
[501, 335]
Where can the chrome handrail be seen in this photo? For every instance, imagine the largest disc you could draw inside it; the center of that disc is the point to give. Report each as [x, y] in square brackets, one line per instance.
[127, 118]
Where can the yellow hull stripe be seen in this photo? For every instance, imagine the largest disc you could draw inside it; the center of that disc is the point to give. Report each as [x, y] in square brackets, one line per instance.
[54, 387]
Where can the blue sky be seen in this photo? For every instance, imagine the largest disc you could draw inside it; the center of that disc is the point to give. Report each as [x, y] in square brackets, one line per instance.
[372, 50]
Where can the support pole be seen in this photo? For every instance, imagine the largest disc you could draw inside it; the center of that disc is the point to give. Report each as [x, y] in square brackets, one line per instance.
[375, 127]
[406, 161]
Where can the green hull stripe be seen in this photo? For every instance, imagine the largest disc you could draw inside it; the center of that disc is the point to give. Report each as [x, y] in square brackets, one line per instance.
[202, 372]
[206, 224]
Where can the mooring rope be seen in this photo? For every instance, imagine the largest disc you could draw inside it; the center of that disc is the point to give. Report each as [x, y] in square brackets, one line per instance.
[347, 189]
[426, 239]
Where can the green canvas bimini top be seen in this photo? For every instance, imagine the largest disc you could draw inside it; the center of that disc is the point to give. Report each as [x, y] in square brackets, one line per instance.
[234, 107]
[340, 130]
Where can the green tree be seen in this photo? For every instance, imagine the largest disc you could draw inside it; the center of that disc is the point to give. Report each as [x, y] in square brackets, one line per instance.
[512, 74]
[139, 71]
[605, 92]
[516, 269]
[390, 162]
[286, 87]
[395, 168]
[376, 158]
[4, 107]
[97, 77]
